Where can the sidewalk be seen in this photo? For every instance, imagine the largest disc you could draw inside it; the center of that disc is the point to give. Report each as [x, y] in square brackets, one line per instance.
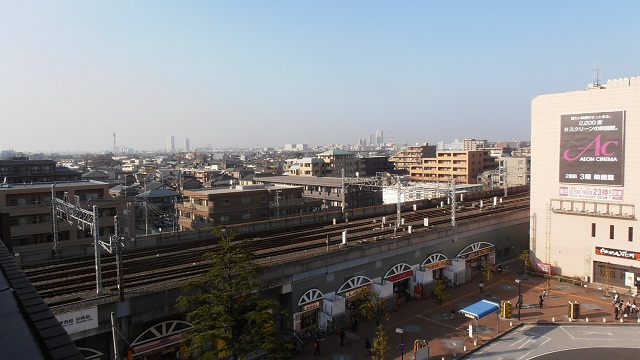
[425, 320]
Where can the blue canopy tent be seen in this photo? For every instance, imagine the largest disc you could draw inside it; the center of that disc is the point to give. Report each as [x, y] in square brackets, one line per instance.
[480, 310]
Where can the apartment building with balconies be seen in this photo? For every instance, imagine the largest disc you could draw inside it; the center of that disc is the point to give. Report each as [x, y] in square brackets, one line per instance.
[25, 171]
[339, 162]
[412, 156]
[461, 166]
[205, 208]
[30, 218]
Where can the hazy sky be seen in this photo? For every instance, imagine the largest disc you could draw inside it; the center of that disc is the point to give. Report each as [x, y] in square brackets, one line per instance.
[241, 73]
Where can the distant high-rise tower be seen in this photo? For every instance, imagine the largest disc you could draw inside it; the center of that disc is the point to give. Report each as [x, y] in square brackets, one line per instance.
[372, 140]
[379, 138]
[171, 144]
[186, 145]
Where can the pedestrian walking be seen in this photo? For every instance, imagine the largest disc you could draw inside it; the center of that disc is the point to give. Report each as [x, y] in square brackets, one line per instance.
[342, 336]
[481, 286]
[367, 345]
[544, 294]
[453, 314]
[316, 345]
[541, 301]
[616, 310]
[499, 269]
[354, 324]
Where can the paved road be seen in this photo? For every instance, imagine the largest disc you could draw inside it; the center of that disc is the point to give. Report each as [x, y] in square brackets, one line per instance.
[584, 342]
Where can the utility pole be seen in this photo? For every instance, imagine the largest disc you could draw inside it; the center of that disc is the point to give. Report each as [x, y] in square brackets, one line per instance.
[146, 209]
[343, 196]
[54, 221]
[116, 352]
[452, 190]
[398, 206]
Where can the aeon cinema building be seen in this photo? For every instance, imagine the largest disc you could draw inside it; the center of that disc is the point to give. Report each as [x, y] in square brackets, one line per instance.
[585, 183]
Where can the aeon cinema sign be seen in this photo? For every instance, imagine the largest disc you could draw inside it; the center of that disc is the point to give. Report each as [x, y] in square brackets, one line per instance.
[592, 148]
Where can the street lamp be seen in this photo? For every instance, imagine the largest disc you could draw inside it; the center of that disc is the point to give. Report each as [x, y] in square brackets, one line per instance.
[519, 303]
[401, 347]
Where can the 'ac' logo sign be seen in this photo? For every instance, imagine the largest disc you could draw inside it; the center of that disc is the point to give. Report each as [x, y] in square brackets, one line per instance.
[599, 149]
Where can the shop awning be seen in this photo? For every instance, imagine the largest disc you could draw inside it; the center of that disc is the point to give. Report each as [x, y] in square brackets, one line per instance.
[480, 309]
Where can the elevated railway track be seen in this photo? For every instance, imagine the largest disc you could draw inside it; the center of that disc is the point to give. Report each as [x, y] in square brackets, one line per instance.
[64, 282]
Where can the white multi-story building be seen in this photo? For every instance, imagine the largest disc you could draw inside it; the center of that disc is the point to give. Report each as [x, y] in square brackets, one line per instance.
[585, 187]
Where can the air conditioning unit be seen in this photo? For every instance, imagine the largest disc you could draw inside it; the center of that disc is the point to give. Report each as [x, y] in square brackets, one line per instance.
[584, 278]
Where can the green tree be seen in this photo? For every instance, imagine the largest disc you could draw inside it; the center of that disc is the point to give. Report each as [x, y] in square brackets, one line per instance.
[487, 274]
[380, 344]
[369, 305]
[526, 259]
[228, 309]
[440, 292]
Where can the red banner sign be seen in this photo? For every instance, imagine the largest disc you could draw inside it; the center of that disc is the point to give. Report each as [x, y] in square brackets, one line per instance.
[543, 267]
[400, 276]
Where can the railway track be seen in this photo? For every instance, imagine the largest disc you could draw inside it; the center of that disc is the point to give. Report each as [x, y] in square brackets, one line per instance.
[63, 282]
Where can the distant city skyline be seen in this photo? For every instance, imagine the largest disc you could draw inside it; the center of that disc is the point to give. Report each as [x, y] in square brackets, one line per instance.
[264, 74]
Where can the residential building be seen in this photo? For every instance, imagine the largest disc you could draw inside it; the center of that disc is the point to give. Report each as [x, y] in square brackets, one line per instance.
[29, 206]
[412, 156]
[339, 162]
[461, 166]
[309, 166]
[243, 203]
[296, 147]
[511, 171]
[329, 190]
[374, 165]
[23, 170]
[586, 190]
[473, 144]
[156, 208]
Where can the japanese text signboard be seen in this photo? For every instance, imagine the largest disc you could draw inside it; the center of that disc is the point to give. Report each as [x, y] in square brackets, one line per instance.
[592, 148]
[80, 320]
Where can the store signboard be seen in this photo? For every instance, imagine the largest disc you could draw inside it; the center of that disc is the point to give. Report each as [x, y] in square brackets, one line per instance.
[592, 148]
[437, 265]
[312, 305]
[621, 254]
[629, 279]
[591, 193]
[475, 254]
[80, 320]
[400, 276]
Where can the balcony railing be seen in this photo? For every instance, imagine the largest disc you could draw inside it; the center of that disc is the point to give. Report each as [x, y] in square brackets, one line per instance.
[187, 206]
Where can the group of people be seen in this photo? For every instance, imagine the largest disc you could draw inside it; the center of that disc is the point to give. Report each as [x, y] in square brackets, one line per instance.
[623, 309]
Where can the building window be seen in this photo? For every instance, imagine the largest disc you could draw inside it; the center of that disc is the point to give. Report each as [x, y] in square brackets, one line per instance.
[246, 216]
[611, 232]
[593, 229]
[630, 233]
[224, 219]
[246, 199]
[224, 202]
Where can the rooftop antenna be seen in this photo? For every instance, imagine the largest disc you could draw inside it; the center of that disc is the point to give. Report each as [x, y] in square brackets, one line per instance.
[597, 75]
